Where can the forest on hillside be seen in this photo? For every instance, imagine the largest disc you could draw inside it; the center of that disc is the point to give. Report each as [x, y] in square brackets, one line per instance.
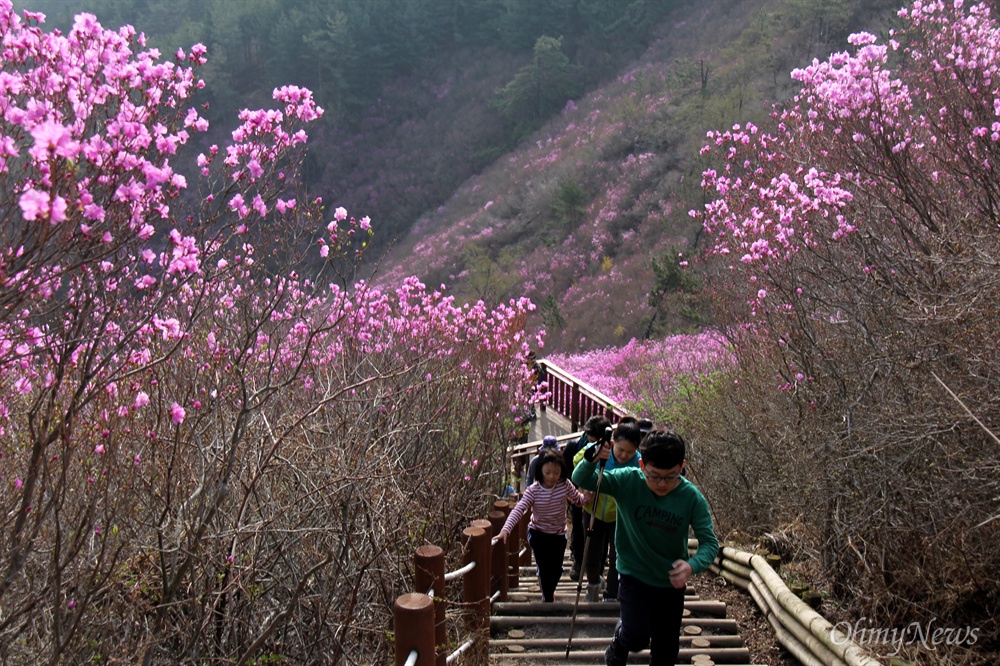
[419, 94]
[589, 217]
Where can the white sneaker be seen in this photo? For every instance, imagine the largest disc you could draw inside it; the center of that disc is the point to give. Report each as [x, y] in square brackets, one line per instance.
[593, 591]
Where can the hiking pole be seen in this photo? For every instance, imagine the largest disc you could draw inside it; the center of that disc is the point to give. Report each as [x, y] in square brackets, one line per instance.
[586, 541]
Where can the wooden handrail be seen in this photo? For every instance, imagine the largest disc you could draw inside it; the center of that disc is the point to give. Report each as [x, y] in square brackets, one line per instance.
[574, 399]
[577, 400]
[804, 632]
[419, 617]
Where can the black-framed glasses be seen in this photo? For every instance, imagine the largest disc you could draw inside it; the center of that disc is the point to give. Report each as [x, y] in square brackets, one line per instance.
[653, 478]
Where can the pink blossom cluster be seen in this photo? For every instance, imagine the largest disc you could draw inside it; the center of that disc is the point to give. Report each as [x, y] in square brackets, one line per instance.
[906, 130]
[90, 124]
[642, 372]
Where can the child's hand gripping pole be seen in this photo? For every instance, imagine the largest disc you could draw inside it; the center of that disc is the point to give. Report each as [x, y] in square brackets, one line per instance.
[602, 453]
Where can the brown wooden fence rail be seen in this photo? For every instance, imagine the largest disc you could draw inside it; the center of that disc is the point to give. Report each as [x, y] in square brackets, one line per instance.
[490, 568]
[577, 400]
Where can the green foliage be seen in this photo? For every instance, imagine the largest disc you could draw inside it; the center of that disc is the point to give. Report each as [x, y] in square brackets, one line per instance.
[346, 50]
[623, 17]
[827, 16]
[490, 279]
[539, 88]
[670, 278]
[692, 401]
[526, 21]
[570, 203]
[551, 317]
[674, 296]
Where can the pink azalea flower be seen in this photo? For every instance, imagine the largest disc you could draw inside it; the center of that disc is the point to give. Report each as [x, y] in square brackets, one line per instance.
[34, 204]
[50, 136]
[176, 414]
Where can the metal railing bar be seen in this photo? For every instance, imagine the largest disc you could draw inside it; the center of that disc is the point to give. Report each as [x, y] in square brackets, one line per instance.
[454, 655]
[458, 573]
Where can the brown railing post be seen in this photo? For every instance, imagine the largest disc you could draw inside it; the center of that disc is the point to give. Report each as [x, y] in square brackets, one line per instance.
[513, 555]
[476, 585]
[428, 574]
[485, 525]
[574, 408]
[555, 388]
[498, 557]
[485, 569]
[413, 624]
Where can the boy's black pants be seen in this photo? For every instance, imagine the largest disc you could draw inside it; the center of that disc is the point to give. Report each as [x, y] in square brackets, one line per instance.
[548, 550]
[602, 551]
[649, 617]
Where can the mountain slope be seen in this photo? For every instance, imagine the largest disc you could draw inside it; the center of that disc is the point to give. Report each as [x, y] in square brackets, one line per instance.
[575, 217]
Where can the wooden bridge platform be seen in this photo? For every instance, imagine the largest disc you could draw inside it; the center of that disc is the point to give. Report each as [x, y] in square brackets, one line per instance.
[548, 422]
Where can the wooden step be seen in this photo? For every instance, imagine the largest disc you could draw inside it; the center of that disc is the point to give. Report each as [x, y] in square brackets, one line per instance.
[535, 607]
[717, 625]
[526, 630]
[719, 655]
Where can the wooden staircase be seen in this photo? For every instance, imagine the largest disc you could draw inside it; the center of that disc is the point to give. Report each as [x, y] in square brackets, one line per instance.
[524, 630]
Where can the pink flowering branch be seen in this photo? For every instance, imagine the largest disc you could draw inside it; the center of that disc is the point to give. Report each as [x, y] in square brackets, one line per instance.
[186, 426]
[854, 252]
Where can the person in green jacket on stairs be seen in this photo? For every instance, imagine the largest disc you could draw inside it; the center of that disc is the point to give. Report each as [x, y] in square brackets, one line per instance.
[657, 507]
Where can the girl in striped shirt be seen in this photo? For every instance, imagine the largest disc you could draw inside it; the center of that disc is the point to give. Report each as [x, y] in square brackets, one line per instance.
[546, 498]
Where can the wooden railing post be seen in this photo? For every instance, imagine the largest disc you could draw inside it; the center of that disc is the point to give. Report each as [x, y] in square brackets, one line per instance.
[574, 408]
[487, 569]
[476, 583]
[476, 591]
[498, 557]
[413, 624]
[428, 574]
[513, 555]
[559, 402]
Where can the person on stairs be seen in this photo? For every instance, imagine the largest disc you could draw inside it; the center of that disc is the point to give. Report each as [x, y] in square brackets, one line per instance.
[546, 498]
[593, 430]
[657, 509]
[625, 443]
[549, 442]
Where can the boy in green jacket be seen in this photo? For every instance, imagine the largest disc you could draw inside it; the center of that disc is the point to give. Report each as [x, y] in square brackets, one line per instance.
[656, 508]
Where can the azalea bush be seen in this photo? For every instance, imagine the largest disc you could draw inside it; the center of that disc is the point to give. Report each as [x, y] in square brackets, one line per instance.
[647, 375]
[855, 244]
[209, 455]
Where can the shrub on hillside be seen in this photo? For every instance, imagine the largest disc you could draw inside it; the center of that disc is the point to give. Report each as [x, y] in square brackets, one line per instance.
[856, 246]
[650, 377]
